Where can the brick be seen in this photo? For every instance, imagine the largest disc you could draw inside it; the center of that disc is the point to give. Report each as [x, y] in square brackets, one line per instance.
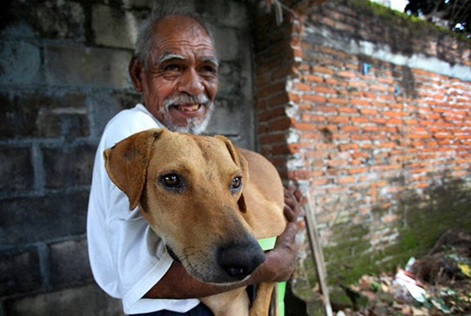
[347, 110]
[16, 169]
[324, 90]
[350, 129]
[304, 126]
[314, 98]
[342, 120]
[359, 170]
[275, 101]
[359, 120]
[325, 109]
[279, 124]
[299, 86]
[275, 88]
[270, 114]
[309, 78]
[338, 84]
[346, 74]
[360, 103]
[271, 139]
[338, 101]
[322, 70]
[348, 147]
[368, 112]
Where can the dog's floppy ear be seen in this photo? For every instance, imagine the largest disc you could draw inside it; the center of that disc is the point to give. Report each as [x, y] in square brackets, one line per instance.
[239, 160]
[127, 161]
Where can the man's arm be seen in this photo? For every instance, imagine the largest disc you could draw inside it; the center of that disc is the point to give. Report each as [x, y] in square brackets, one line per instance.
[278, 266]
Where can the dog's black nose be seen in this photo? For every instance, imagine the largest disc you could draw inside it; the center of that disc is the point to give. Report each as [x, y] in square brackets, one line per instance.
[239, 260]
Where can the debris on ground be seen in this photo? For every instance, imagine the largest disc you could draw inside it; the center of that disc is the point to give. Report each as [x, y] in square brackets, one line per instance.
[437, 284]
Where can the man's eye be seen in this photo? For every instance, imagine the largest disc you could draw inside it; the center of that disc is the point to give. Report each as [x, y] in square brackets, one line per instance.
[172, 67]
[209, 69]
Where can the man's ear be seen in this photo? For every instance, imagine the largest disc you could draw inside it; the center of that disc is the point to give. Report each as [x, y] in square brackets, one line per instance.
[240, 161]
[136, 69]
[127, 161]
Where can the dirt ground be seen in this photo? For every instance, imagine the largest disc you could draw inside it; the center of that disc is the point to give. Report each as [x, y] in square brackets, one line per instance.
[436, 284]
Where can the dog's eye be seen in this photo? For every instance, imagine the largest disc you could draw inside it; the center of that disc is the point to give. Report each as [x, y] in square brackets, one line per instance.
[171, 181]
[236, 183]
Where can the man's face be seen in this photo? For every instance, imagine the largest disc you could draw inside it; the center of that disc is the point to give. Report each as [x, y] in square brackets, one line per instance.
[181, 80]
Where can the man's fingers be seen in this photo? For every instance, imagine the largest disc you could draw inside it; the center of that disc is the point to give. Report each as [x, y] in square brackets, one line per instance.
[289, 209]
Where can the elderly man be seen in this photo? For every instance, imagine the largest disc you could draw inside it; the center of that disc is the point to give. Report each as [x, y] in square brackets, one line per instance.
[175, 67]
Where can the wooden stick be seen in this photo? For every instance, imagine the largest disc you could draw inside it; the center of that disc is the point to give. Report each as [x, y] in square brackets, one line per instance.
[317, 252]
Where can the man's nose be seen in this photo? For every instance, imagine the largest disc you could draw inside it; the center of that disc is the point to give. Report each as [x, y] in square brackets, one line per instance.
[190, 83]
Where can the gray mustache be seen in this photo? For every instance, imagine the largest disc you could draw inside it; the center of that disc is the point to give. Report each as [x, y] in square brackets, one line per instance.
[186, 99]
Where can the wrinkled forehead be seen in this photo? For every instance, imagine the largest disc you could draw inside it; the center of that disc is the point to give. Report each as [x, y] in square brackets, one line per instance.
[181, 35]
[181, 28]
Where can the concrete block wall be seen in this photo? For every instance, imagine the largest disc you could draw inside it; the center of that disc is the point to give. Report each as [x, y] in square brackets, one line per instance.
[63, 75]
[363, 109]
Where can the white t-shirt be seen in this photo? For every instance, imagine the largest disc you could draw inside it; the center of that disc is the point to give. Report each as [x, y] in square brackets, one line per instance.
[126, 256]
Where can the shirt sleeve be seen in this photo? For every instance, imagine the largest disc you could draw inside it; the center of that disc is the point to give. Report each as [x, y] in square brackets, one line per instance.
[126, 256]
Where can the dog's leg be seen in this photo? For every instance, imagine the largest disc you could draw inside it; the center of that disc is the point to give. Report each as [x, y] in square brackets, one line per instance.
[261, 305]
[235, 302]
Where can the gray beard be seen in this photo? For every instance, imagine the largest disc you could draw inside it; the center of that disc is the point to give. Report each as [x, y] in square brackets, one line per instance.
[193, 126]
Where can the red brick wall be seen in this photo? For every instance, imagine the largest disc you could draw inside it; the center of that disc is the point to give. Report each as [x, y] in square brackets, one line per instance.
[385, 155]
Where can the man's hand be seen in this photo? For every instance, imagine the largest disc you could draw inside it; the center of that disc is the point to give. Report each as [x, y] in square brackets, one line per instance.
[281, 261]
[293, 202]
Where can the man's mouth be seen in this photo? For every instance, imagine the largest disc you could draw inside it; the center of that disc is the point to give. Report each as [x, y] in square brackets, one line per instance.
[187, 107]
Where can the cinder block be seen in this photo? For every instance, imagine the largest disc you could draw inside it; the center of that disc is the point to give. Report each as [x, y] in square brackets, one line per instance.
[103, 107]
[67, 122]
[136, 4]
[37, 114]
[224, 120]
[179, 5]
[19, 271]
[79, 301]
[53, 19]
[16, 169]
[228, 45]
[27, 220]
[87, 67]
[20, 62]
[234, 13]
[114, 27]
[69, 263]
[68, 166]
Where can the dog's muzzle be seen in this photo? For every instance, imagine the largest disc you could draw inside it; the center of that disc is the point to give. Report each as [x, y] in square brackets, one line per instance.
[239, 260]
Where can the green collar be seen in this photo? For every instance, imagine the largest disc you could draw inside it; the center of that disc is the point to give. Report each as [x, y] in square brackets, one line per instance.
[267, 243]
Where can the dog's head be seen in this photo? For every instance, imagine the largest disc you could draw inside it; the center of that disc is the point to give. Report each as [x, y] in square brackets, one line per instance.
[190, 190]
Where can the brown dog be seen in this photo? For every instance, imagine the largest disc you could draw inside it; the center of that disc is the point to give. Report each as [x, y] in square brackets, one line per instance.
[196, 194]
